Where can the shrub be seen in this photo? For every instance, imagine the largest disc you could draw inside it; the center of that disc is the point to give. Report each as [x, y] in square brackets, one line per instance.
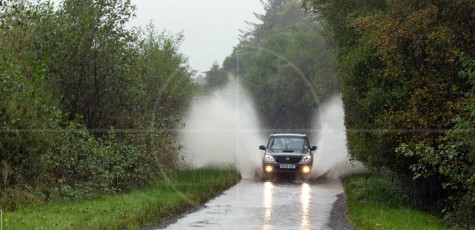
[82, 166]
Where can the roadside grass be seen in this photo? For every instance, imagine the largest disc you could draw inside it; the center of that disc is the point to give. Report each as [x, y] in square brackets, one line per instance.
[168, 197]
[373, 202]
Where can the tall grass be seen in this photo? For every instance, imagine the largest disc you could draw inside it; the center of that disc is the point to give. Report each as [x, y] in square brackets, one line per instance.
[173, 194]
[374, 202]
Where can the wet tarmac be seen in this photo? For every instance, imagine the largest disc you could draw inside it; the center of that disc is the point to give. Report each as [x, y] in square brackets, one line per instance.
[278, 204]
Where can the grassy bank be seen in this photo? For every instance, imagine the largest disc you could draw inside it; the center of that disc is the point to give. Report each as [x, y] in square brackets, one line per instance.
[168, 197]
[373, 202]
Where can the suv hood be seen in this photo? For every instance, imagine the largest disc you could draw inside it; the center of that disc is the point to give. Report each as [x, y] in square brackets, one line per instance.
[288, 153]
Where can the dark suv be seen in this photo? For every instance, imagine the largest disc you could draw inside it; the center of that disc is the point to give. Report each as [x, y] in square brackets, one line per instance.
[287, 152]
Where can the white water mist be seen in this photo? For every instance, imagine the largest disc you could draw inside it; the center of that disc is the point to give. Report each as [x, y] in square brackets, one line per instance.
[331, 159]
[222, 128]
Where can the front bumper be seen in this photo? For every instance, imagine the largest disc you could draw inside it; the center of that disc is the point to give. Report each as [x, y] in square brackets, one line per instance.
[274, 167]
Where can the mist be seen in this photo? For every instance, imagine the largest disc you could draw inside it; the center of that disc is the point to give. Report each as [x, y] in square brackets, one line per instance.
[222, 129]
[331, 159]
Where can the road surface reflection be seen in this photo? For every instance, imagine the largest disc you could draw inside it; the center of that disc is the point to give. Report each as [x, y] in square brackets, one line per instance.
[305, 202]
[268, 186]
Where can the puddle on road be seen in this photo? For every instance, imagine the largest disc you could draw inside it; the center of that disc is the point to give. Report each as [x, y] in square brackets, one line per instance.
[267, 205]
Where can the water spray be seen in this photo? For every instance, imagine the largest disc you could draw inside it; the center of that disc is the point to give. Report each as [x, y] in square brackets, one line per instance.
[222, 128]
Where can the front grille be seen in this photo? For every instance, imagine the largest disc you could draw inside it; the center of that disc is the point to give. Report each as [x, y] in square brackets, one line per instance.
[291, 159]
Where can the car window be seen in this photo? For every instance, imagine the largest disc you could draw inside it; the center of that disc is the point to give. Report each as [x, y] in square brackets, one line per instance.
[288, 143]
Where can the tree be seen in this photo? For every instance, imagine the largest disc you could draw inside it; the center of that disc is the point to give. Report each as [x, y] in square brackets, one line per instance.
[287, 80]
[216, 77]
[91, 63]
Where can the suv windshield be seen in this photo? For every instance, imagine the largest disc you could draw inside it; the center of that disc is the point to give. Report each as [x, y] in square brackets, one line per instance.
[288, 143]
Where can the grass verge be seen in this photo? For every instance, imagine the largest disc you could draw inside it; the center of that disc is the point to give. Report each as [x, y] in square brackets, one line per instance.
[373, 202]
[166, 198]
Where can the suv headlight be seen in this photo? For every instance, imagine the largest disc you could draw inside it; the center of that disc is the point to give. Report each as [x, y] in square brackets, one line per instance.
[268, 158]
[306, 159]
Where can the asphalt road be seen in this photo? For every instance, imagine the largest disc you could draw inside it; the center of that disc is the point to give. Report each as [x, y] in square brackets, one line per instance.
[282, 204]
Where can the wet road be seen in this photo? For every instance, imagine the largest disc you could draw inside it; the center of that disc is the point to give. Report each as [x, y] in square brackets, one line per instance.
[267, 205]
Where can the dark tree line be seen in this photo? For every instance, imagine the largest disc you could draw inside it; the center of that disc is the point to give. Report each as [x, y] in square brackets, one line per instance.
[407, 70]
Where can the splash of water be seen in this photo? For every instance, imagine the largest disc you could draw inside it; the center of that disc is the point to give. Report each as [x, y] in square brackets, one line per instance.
[331, 159]
[222, 128]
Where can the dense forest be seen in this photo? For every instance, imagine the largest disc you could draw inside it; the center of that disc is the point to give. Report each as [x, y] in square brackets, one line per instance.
[407, 73]
[86, 104]
[285, 64]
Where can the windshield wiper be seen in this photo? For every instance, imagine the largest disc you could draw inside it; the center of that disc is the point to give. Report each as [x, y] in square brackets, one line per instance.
[288, 151]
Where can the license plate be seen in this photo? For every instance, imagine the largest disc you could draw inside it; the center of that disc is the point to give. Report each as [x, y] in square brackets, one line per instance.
[287, 166]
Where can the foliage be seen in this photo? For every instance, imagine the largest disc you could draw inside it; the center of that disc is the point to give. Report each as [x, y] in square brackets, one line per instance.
[81, 166]
[374, 201]
[286, 79]
[404, 67]
[86, 105]
[91, 60]
[453, 158]
[164, 83]
[215, 78]
[27, 115]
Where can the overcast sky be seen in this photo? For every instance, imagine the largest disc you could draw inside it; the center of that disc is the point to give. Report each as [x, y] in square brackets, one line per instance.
[211, 27]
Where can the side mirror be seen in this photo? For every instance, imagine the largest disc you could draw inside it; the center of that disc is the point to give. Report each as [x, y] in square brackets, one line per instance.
[262, 147]
[313, 148]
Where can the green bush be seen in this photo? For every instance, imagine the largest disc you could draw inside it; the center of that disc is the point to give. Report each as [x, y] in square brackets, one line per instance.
[82, 166]
[453, 160]
[28, 118]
